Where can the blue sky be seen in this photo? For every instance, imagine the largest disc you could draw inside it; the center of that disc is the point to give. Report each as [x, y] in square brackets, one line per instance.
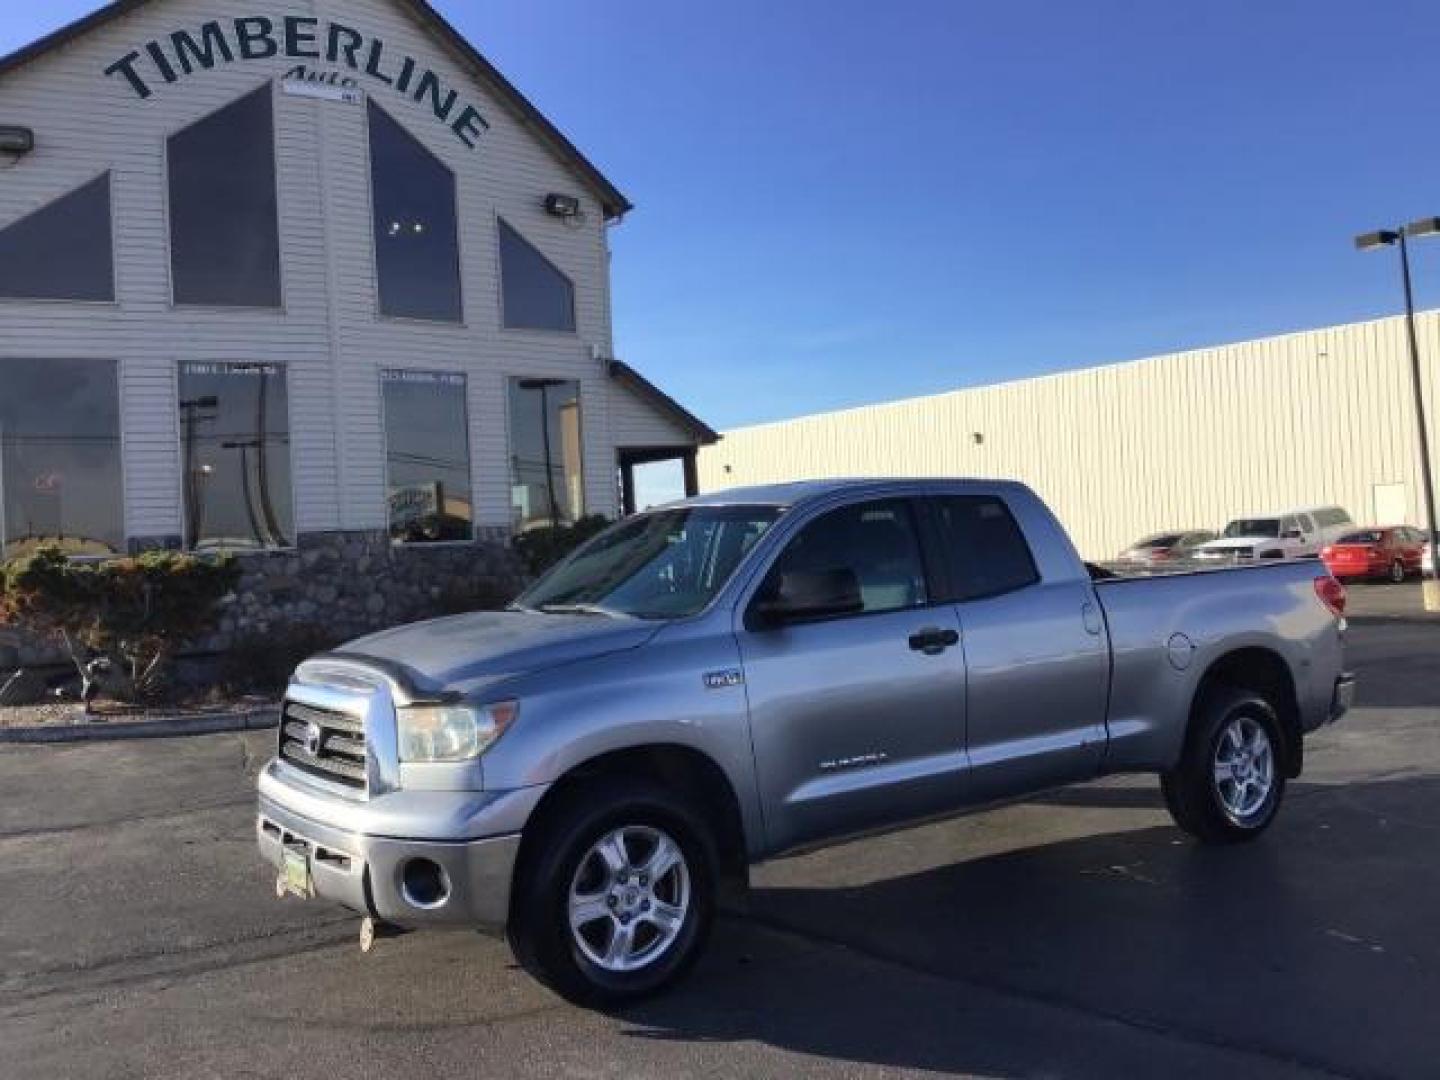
[843, 202]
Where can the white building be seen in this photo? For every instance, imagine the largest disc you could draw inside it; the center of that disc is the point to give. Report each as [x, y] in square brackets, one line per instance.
[279, 270]
[1191, 440]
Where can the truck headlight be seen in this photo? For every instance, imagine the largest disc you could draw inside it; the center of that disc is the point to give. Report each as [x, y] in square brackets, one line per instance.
[452, 732]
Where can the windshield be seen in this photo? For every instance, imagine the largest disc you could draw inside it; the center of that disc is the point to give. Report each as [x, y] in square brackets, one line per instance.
[1254, 527]
[1362, 538]
[661, 565]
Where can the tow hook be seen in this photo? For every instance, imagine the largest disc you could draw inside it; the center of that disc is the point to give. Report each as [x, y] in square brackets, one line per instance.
[372, 930]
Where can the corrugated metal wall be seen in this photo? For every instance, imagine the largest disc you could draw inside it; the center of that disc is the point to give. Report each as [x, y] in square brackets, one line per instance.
[1190, 439]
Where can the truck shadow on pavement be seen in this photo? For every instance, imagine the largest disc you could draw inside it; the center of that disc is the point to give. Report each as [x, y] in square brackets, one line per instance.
[1313, 948]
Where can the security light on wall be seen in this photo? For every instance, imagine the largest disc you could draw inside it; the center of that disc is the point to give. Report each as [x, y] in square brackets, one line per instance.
[16, 141]
[562, 206]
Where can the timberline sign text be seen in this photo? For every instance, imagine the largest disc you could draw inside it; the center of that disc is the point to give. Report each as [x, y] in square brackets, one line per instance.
[168, 59]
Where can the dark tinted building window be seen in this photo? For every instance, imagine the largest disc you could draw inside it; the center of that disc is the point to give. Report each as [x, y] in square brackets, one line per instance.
[235, 437]
[546, 475]
[988, 554]
[427, 454]
[537, 295]
[417, 252]
[60, 457]
[224, 225]
[876, 541]
[62, 251]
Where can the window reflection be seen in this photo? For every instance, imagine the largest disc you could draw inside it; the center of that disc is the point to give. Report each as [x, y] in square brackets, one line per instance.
[224, 224]
[545, 452]
[427, 453]
[235, 434]
[417, 254]
[60, 457]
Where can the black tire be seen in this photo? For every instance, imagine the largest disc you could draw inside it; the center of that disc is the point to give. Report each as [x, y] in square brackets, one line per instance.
[1397, 571]
[1195, 798]
[540, 933]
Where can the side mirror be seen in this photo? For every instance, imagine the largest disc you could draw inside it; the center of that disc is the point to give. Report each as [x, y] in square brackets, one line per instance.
[1293, 534]
[800, 595]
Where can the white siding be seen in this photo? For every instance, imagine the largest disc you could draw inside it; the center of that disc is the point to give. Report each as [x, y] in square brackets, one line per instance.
[328, 334]
[634, 422]
[1187, 440]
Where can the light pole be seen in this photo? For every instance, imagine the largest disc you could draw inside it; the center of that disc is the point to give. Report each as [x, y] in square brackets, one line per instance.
[1398, 237]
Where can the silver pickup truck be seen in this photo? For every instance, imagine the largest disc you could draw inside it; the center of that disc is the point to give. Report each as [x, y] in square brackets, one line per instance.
[759, 672]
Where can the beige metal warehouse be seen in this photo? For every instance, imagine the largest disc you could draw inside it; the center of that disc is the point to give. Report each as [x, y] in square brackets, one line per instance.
[1190, 439]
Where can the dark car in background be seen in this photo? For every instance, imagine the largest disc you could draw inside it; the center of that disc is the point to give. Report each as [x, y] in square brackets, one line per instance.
[1166, 547]
[1393, 552]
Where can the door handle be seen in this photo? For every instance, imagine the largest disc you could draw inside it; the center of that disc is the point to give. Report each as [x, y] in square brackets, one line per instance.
[933, 640]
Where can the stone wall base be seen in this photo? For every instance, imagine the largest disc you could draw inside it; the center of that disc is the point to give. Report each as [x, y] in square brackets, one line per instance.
[343, 584]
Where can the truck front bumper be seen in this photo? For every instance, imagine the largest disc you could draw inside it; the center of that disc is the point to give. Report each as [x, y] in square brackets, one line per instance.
[416, 883]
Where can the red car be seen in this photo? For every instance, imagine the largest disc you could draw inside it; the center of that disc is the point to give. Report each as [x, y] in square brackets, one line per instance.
[1393, 553]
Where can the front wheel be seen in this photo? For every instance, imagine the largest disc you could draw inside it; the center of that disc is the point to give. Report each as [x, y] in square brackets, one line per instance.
[1397, 571]
[618, 896]
[1229, 783]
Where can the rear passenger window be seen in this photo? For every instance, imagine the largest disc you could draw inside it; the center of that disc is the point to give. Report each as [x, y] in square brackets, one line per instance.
[988, 554]
[876, 541]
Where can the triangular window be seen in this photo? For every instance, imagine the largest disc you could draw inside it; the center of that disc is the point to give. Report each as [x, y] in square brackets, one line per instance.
[537, 295]
[62, 251]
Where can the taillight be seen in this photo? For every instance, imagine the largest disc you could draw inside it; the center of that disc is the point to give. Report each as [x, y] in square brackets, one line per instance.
[1332, 594]
[1326, 552]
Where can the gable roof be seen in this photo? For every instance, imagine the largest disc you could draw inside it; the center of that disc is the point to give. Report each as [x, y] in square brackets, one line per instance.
[613, 201]
[700, 431]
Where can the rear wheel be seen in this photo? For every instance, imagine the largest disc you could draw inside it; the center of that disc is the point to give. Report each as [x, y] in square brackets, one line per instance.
[617, 898]
[1397, 571]
[1230, 780]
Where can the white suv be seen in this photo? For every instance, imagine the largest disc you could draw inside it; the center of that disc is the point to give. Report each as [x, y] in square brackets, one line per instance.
[1291, 534]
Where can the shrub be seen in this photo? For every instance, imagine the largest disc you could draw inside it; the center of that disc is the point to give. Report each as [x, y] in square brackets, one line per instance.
[121, 621]
[542, 548]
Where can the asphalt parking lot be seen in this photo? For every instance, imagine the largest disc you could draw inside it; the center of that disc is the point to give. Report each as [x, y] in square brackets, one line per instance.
[1075, 936]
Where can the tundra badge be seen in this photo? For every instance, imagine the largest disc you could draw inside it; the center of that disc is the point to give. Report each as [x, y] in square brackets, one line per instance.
[723, 680]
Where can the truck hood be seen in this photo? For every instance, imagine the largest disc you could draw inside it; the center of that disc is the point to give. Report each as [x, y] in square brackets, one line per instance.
[461, 650]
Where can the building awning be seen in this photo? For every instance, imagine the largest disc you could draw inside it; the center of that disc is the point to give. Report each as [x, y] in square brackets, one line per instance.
[702, 433]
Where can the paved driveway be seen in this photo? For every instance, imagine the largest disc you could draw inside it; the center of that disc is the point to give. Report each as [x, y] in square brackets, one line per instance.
[1078, 935]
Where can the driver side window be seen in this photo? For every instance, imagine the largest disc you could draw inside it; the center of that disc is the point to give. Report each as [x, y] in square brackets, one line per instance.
[876, 541]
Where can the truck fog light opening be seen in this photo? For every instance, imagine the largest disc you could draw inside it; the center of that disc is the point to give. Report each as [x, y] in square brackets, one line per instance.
[423, 884]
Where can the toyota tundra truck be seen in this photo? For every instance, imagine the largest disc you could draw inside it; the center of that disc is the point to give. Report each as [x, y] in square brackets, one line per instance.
[756, 673]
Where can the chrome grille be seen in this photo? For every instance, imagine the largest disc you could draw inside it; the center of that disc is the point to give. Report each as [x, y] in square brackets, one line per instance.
[324, 743]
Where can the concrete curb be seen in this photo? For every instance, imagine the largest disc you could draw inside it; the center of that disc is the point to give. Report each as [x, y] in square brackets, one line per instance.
[254, 720]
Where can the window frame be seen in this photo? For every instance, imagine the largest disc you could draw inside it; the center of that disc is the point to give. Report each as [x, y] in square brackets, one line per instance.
[505, 327]
[935, 533]
[757, 585]
[509, 376]
[176, 372]
[114, 301]
[377, 307]
[280, 214]
[469, 460]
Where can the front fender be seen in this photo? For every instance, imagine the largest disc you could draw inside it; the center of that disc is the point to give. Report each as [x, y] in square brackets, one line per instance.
[657, 695]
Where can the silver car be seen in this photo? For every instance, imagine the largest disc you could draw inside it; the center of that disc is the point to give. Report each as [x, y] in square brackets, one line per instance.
[754, 673]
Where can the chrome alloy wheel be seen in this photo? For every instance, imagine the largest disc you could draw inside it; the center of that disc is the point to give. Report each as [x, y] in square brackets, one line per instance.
[629, 898]
[1244, 768]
